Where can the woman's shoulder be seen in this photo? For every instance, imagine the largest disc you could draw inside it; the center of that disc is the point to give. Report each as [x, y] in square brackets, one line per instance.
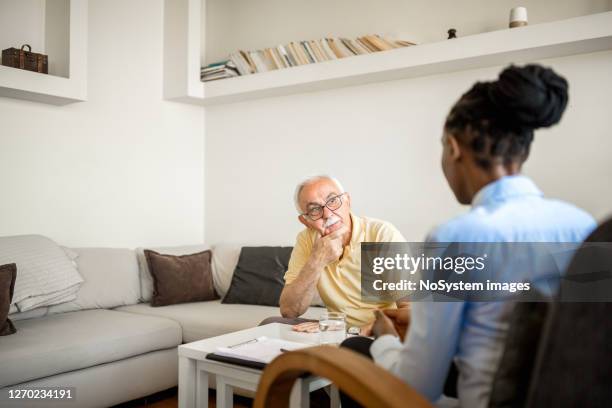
[571, 217]
[472, 226]
[537, 220]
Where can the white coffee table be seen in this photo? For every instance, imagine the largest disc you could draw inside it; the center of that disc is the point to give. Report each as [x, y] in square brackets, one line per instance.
[194, 369]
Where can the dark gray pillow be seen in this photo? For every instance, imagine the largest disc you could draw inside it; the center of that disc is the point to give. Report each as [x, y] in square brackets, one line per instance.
[259, 276]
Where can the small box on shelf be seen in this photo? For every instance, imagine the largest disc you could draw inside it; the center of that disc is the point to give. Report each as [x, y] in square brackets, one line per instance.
[28, 60]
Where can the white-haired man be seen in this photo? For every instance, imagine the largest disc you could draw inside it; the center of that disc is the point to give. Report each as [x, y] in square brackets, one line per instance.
[327, 255]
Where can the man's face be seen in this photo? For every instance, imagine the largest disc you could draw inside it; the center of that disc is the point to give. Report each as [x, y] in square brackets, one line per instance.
[315, 195]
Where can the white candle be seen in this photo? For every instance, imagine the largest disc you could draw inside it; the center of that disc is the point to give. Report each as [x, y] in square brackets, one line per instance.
[518, 17]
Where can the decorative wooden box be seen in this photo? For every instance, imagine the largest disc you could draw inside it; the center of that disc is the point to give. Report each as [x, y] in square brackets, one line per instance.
[22, 59]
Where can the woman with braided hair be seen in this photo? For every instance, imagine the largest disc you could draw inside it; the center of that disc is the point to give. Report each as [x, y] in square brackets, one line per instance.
[486, 140]
[488, 133]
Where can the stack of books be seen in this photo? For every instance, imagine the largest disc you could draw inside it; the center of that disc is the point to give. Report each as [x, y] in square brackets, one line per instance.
[219, 70]
[302, 53]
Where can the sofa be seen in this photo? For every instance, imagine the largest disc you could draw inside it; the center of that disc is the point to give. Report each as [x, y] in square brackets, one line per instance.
[109, 343]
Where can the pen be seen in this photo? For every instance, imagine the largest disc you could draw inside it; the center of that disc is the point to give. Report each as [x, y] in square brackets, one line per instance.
[243, 343]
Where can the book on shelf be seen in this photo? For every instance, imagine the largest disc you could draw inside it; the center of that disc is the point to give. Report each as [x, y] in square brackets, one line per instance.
[373, 45]
[367, 44]
[263, 62]
[328, 51]
[249, 60]
[278, 63]
[284, 61]
[379, 42]
[402, 43]
[317, 49]
[346, 43]
[360, 48]
[219, 70]
[309, 52]
[298, 53]
[289, 60]
[315, 56]
[334, 47]
[343, 48]
[259, 66]
[386, 42]
[241, 64]
[294, 55]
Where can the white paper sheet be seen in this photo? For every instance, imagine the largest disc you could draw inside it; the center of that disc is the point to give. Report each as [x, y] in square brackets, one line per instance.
[262, 349]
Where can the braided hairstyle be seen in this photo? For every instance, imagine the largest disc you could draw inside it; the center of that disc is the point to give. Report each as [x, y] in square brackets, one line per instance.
[496, 119]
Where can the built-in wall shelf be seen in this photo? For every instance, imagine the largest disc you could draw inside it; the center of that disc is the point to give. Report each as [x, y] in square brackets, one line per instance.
[55, 89]
[573, 36]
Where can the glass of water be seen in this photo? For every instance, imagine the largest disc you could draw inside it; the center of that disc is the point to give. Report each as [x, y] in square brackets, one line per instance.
[332, 328]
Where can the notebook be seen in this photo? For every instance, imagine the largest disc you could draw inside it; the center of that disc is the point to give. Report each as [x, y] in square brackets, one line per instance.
[255, 353]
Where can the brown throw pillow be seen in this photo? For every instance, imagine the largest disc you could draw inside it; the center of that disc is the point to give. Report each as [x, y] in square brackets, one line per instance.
[8, 274]
[180, 279]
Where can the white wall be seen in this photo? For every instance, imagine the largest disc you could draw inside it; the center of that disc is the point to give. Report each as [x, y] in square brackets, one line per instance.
[255, 24]
[383, 142]
[22, 22]
[128, 169]
[57, 36]
[124, 168]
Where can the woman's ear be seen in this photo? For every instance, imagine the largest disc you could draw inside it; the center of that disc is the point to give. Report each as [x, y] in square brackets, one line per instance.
[454, 149]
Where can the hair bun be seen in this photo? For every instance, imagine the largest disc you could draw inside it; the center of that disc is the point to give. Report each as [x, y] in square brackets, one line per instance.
[529, 97]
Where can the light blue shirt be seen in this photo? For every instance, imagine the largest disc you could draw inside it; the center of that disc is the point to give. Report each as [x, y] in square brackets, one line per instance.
[511, 209]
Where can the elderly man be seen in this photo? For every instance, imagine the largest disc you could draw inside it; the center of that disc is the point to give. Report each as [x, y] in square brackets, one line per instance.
[327, 255]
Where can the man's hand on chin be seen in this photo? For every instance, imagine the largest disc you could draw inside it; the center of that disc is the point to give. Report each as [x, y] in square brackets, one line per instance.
[329, 248]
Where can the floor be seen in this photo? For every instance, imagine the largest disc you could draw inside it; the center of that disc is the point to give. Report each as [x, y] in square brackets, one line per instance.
[169, 399]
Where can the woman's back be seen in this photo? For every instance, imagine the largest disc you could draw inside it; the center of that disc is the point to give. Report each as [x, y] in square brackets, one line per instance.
[511, 209]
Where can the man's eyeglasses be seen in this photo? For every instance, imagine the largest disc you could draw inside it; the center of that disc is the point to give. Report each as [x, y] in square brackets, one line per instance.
[315, 213]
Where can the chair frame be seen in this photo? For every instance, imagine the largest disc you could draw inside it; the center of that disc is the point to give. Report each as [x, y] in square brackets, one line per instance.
[355, 375]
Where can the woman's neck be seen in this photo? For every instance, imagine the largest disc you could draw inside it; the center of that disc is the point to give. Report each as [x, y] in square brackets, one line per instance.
[479, 178]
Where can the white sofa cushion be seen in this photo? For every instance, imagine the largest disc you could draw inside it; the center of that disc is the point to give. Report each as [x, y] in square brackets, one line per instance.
[201, 320]
[146, 280]
[224, 260]
[45, 274]
[109, 384]
[71, 341]
[30, 314]
[111, 279]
